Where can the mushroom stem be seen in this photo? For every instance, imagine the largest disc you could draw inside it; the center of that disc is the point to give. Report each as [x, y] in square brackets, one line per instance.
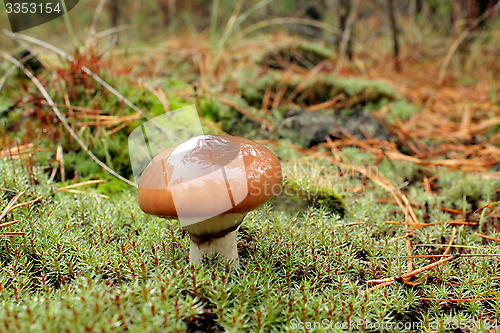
[225, 246]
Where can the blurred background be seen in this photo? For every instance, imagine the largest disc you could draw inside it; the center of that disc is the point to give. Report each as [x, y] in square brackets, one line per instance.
[409, 30]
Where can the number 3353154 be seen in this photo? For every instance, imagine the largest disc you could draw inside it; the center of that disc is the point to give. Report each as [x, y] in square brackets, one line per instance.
[32, 8]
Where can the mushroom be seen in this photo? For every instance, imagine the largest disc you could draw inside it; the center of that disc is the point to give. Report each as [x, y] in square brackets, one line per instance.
[209, 183]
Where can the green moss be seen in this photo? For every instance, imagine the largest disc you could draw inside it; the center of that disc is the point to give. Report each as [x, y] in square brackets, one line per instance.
[95, 263]
[112, 186]
[75, 162]
[318, 49]
[4, 105]
[402, 109]
[473, 192]
[216, 111]
[298, 193]
[89, 263]
[319, 88]
[357, 157]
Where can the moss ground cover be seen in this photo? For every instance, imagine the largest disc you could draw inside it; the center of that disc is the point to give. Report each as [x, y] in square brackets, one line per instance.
[102, 264]
[388, 219]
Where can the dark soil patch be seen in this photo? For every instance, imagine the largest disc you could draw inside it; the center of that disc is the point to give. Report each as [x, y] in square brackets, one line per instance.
[302, 55]
[206, 321]
[295, 200]
[310, 128]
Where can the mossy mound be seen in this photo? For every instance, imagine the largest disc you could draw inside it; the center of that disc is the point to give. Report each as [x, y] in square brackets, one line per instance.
[312, 90]
[305, 54]
[299, 197]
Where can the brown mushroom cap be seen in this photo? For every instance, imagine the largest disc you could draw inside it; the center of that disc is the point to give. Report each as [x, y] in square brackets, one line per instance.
[246, 173]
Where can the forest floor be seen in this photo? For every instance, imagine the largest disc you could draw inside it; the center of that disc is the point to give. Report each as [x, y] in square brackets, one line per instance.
[389, 219]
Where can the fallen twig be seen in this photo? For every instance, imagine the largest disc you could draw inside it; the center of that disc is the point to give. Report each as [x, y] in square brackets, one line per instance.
[441, 255]
[417, 271]
[8, 208]
[88, 182]
[460, 299]
[487, 237]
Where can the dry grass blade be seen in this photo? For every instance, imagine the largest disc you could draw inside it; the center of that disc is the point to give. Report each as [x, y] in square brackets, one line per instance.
[266, 99]
[350, 224]
[393, 239]
[11, 234]
[427, 186]
[9, 206]
[443, 255]
[92, 29]
[12, 68]
[460, 299]
[379, 286]
[70, 188]
[488, 206]
[16, 150]
[88, 182]
[452, 239]
[420, 280]
[415, 226]
[26, 203]
[60, 161]
[83, 192]
[346, 36]
[100, 120]
[446, 252]
[81, 109]
[21, 151]
[162, 97]
[6, 224]
[278, 97]
[117, 128]
[328, 104]
[417, 271]
[487, 237]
